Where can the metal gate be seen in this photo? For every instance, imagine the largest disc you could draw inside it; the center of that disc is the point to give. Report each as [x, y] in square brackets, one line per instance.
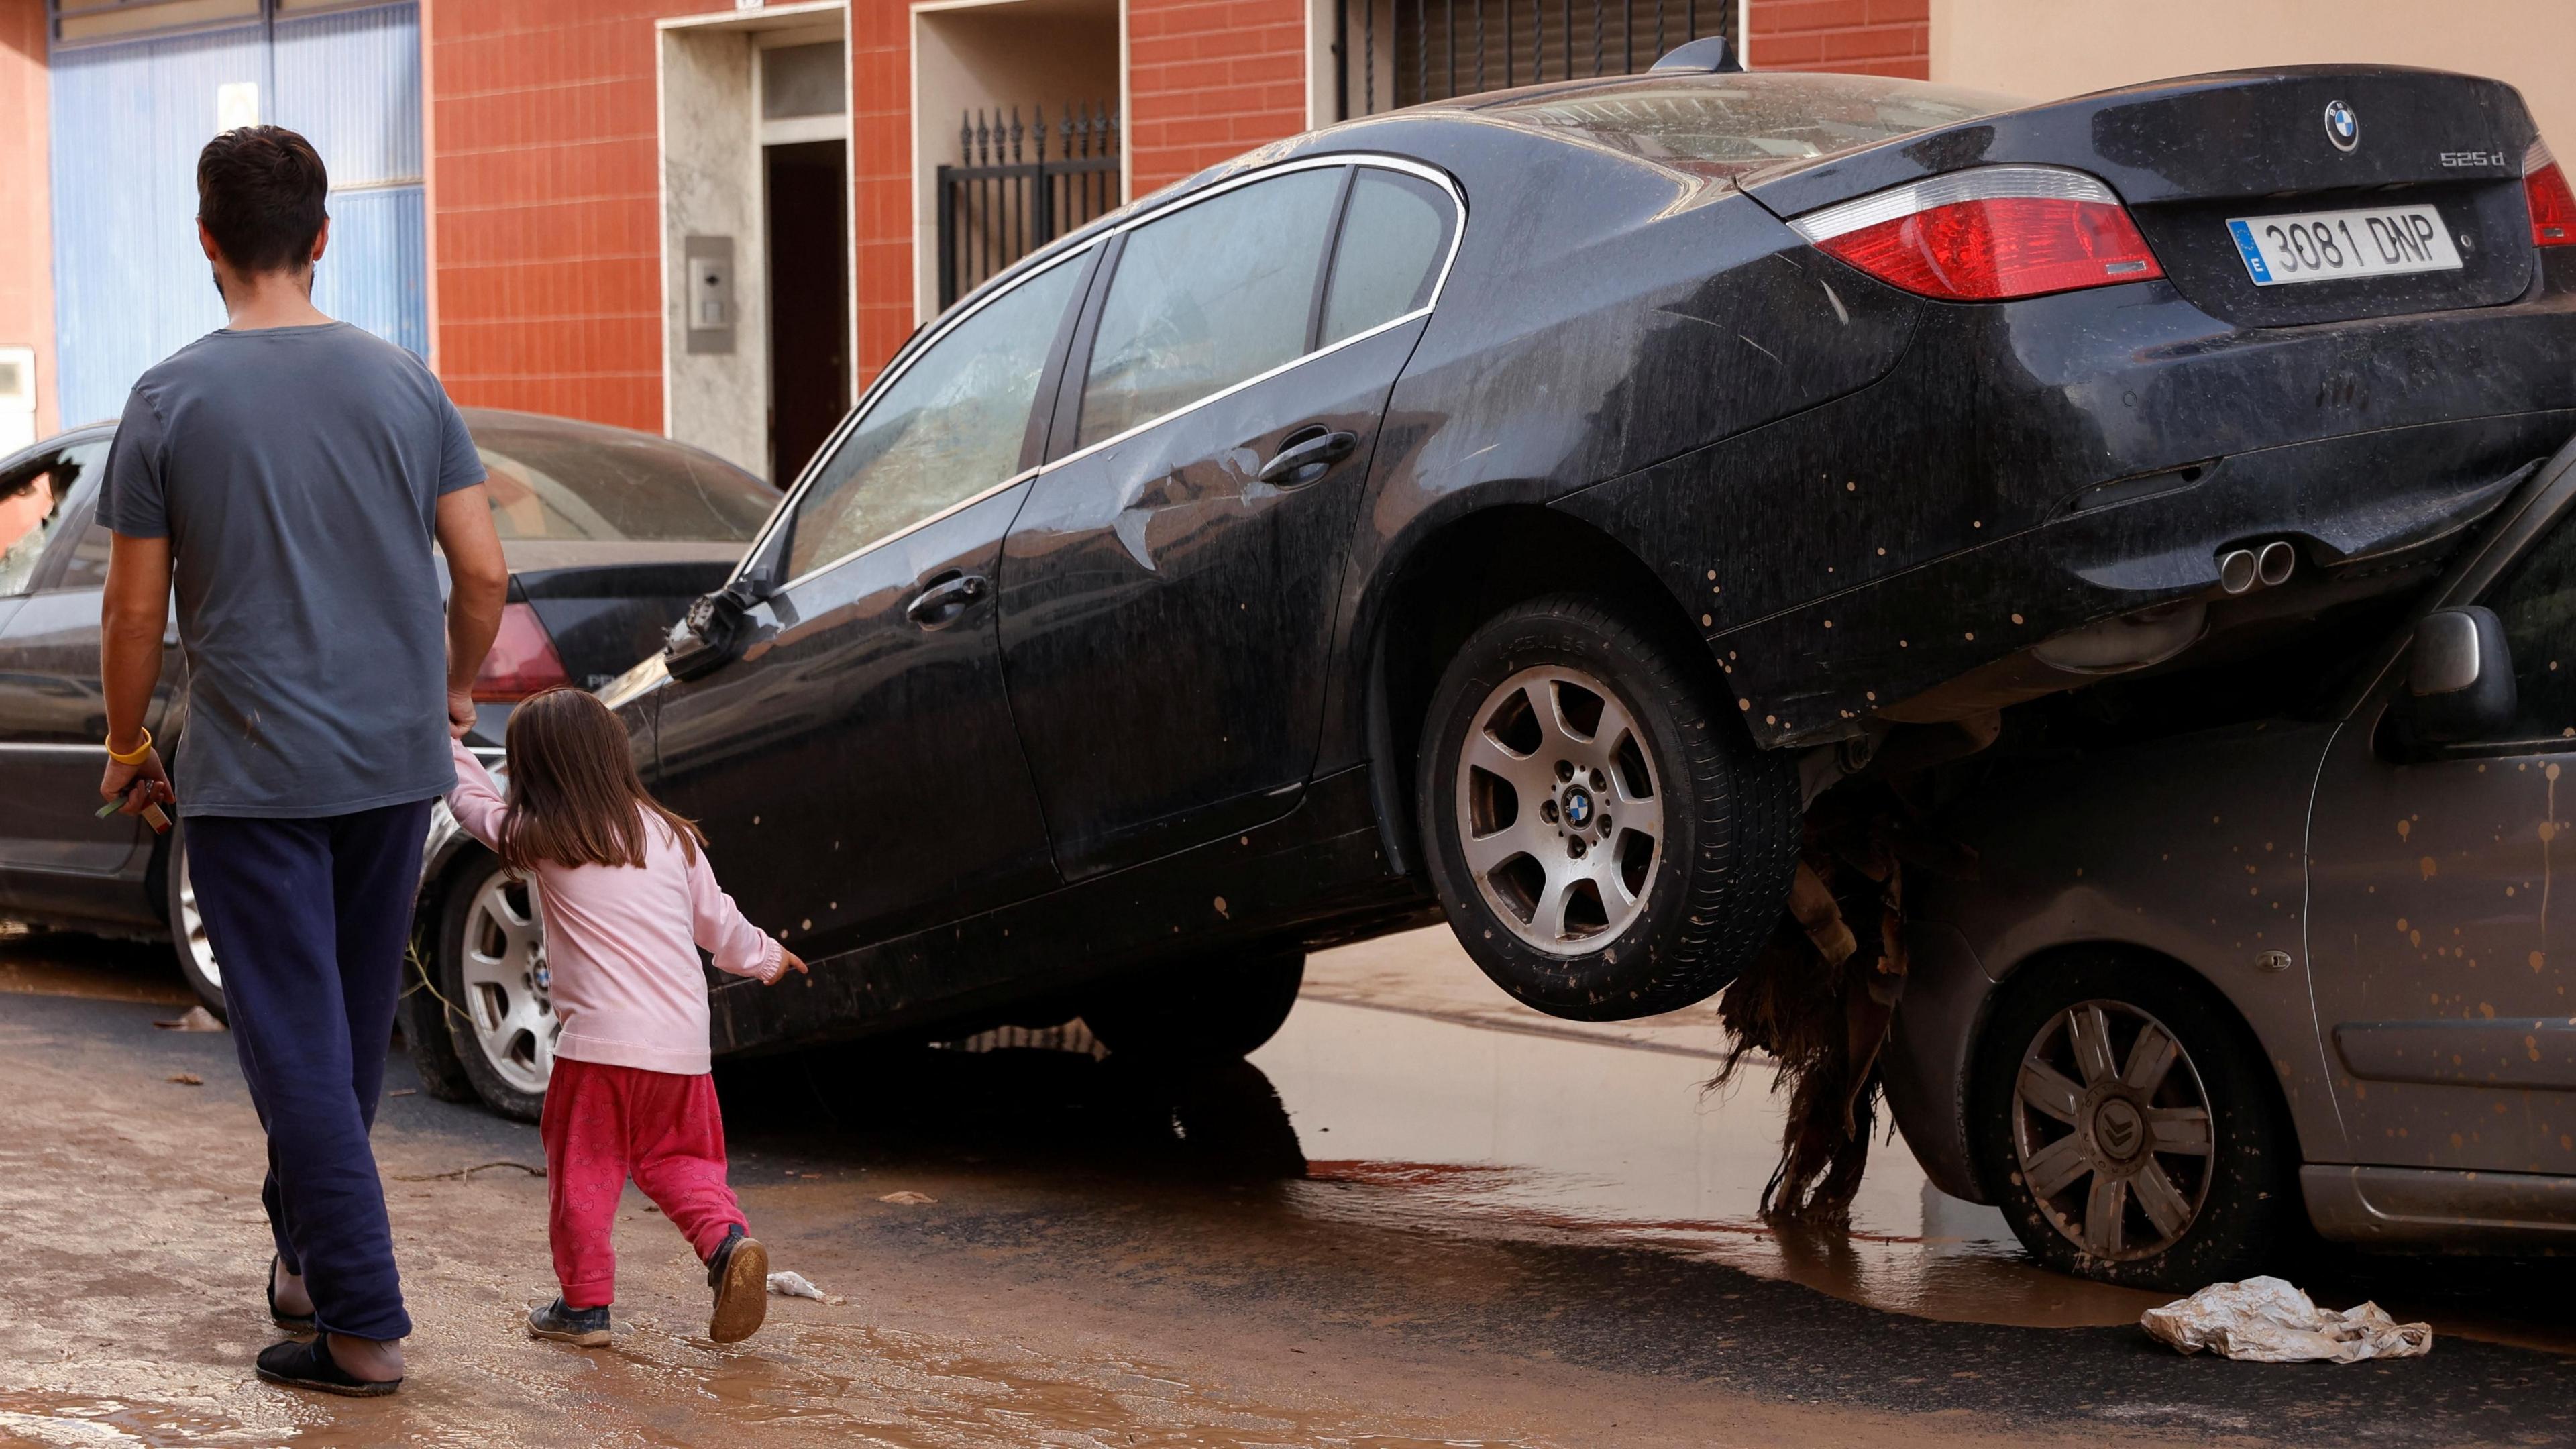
[1404, 52]
[1008, 197]
[128, 117]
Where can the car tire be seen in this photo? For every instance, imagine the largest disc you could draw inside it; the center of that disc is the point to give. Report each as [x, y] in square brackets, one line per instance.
[188, 941]
[2193, 1158]
[490, 969]
[1623, 852]
[1201, 1014]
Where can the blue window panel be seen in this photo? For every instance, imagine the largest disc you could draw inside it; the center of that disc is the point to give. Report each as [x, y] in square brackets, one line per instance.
[131, 285]
[349, 81]
[371, 274]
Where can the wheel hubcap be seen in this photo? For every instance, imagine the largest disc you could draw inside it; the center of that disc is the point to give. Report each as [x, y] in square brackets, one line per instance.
[1560, 816]
[192, 929]
[508, 1000]
[2111, 1130]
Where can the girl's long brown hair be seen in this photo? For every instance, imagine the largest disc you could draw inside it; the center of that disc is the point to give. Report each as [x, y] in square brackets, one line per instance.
[574, 793]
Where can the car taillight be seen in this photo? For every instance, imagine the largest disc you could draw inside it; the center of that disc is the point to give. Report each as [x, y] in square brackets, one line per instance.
[1987, 234]
[2553, 206]
[522, 661]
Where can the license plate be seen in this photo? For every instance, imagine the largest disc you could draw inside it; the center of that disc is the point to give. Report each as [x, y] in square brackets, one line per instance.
[2320, 246]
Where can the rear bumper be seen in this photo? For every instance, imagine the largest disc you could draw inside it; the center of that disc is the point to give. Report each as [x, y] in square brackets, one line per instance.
[2033, 467]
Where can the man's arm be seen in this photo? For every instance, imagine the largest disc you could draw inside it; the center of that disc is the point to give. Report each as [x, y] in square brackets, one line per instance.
[478, 584]
[131, 617]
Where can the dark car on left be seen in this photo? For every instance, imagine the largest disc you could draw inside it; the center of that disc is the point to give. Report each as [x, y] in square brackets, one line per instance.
[609, 533]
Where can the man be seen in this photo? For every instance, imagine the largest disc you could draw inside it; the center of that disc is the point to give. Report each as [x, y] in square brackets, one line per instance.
[289, 473]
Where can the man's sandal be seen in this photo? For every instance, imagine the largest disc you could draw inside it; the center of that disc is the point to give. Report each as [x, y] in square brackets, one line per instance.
[309, 1365]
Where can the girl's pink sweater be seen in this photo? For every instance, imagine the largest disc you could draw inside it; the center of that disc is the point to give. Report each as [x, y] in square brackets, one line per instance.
[621, 941]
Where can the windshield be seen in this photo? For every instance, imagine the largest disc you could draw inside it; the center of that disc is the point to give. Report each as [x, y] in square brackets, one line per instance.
[556, 480]
[1728, 126]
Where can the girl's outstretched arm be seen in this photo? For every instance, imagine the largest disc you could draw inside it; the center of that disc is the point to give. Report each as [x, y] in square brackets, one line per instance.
[739, 947]
[477, 801]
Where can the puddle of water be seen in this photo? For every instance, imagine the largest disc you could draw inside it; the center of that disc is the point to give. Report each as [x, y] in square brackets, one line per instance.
[1533, 1134]
[119, 1423]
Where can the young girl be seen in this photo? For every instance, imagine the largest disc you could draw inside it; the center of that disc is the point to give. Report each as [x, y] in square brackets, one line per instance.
[628, 897]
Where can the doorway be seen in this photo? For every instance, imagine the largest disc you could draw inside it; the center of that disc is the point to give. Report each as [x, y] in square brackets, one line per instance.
[809, 328]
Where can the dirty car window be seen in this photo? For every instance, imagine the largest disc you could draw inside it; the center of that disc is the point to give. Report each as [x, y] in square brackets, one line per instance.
[2537, 602]
[550, 481]
[950, 427]
[1208, 296]
[1393, 239]
[1749, 123]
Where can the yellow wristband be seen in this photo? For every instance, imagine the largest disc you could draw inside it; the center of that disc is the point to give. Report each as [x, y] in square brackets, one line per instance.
[137, 757]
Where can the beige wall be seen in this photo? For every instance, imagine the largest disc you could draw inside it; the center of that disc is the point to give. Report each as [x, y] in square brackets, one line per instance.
[2049, 48]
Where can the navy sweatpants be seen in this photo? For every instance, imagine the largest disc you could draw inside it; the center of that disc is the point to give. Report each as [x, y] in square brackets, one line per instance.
[308, 920]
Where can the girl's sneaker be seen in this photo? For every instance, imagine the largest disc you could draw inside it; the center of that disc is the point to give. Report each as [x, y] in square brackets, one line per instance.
[739, 1272]
[587, 1327]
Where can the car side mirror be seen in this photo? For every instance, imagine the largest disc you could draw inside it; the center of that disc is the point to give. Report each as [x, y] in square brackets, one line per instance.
[713, 632]
[2460, 680]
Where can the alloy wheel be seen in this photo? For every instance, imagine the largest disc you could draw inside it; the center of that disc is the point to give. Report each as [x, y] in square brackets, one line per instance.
[192, 929]
[2111, 1130]
[508, 992]
[1560, 816]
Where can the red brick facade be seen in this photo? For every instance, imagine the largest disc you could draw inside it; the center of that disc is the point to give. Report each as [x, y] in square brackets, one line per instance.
[1208, 79]
[26, 232]
[544, 193]
[1868, 37]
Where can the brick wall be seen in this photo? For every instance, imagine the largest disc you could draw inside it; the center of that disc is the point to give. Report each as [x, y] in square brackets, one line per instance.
[544, 190]
[1208, 79]
[1869, 37]
[881, 179]
[26, 235]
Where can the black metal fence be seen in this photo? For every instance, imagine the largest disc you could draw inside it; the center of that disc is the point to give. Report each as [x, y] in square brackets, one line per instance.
[1403, 52]
[1011, 195]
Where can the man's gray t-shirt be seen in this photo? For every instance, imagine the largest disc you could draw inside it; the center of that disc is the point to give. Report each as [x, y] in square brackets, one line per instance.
[296, 472]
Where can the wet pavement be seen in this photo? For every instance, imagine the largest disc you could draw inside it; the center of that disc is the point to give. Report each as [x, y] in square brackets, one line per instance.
[1420, 1216]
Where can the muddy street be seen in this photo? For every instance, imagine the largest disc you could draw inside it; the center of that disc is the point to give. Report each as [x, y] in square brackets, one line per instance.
[1419, 1216]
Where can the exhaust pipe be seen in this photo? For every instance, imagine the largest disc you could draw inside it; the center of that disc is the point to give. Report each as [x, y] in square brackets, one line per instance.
[2238, 569]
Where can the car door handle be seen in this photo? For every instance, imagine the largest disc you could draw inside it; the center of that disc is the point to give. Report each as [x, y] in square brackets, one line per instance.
[940, 605]
[1309, 451]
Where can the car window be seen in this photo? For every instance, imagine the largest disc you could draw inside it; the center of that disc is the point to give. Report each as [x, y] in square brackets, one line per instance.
[949, 428]
[552, 481]
[2536, 599]
[33, 514]
[1207, 296]
[1393, 239]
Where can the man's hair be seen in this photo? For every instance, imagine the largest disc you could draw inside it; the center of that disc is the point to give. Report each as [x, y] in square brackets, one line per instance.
[259, 192]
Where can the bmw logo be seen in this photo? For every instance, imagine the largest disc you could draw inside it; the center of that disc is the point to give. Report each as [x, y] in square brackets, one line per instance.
[2342, 126]
[1578, 808]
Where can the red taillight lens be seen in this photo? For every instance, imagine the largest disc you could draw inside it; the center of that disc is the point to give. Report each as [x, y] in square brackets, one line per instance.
[2553, 205]
[1988, 234]
[522, 661]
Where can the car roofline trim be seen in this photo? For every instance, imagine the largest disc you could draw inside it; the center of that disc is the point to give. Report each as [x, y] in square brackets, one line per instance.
[1977, 183]
[796, 494]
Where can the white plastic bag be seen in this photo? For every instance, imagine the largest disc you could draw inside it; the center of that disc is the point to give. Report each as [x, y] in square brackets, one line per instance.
[797, 1285]
[2265, 1320]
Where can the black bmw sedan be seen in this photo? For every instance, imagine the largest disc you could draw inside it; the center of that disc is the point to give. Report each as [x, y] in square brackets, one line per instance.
[608, 533]
[1512, 508]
